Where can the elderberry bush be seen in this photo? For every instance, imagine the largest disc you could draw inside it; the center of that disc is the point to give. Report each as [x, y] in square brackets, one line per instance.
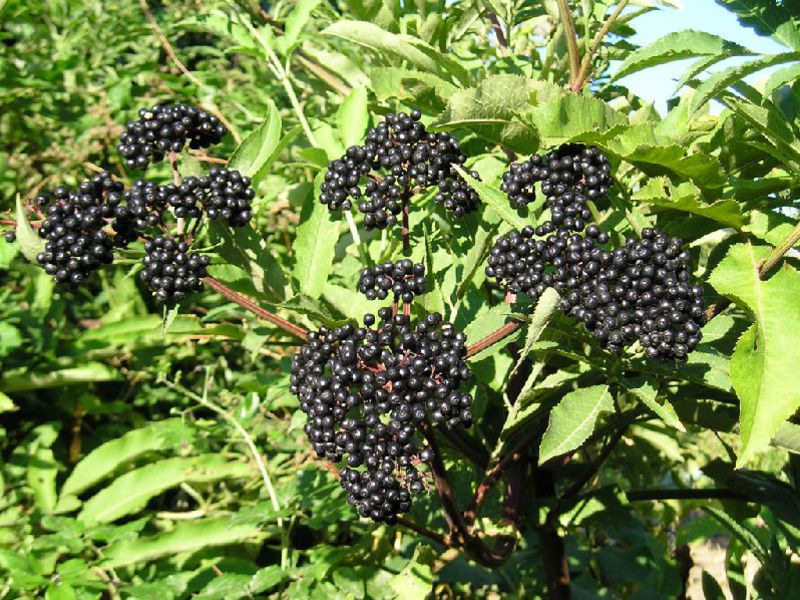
[398, 158]
[403, 279]
[167, 128]
[368, 391]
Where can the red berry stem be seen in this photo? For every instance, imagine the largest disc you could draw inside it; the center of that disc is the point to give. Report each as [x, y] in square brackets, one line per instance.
[248, 304]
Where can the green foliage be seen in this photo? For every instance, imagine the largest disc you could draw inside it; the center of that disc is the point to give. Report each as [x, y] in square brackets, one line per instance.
[124, 468]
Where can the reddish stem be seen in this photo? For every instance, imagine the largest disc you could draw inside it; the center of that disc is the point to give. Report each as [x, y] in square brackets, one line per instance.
[493, 338]
[248, 304]
[406, 240]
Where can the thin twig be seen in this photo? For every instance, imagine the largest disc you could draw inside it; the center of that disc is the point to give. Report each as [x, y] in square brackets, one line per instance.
[437, 537]
[493, 338]
[502, 41]
[584, 73]
[323, 74]
[572, 44]
[248, 304]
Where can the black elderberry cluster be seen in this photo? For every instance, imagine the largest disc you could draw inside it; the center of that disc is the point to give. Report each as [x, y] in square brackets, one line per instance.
[369, 390]
[166, 128]
[639, 292]
[170, 270]
[403, 278]
[398, 155]
[229, 196]
[570, 174]
[76, 242]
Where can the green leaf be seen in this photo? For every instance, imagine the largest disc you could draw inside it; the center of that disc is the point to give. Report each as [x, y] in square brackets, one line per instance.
[490, 110]
[24, 380]
[573, 420]
[226, 586]
[349, 302]
[114, 454]
[7, 252]
[719, 82]
[495, 199]
[427, 91]
[189, 536]
[677, 46]
[315, 245]
[762, 371]
[259, 146]
[30, 244]
[646, 390]
[767, 18]
[6, 404]
[687, 197]
[575, 118]
[432, 300]
[295, 23]
[404, 47]
[131, 492]
[353, 117]
[267, 578]
[416, 579]
[545, 308]
[781, 77]
[246, 249]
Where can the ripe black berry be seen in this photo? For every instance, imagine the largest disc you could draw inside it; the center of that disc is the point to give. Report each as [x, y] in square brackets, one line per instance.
[10, 236]
[404, 279]
[171, 271]
[166, 128]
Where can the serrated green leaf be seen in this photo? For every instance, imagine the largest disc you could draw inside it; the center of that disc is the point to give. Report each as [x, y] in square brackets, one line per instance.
[677, 46]
[545, 308]
[767, 18]
[573, 420]
[131, 492]
[405, 47]
[416, 579]
[315, 245]
[646, 391]
[490, 110]
[114, 454]
[427, 91]
[761, 367]
[575, 118]
[494, 198]
[30, 244]
[259, 146]
[189, 536]
[719, 82]
[294, 24]
[687, 197]
[353, 117]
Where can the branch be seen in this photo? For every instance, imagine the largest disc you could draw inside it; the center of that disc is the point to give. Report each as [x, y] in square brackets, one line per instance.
[248, 304]
[502, 41]
[569, 35]
[437, 537]
[493, 338]
[584, 73]
[687, 494]
[551, 545]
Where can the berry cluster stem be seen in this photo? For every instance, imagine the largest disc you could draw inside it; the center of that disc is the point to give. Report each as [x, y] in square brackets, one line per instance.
[494, 337]
[406, 230]
[584, 72]
[248, 304]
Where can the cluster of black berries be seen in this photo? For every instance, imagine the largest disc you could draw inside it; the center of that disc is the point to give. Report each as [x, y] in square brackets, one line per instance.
[639, 292]
[166, 128]
[369, 390]
[403, 278]
[581, 171]
[398, 155]
[76, 242]
[170, 270]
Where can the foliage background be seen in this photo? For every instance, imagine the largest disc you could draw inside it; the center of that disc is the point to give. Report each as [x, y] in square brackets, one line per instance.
[124, 473]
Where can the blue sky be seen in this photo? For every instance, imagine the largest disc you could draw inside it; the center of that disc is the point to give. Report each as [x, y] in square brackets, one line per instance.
[657, 84]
